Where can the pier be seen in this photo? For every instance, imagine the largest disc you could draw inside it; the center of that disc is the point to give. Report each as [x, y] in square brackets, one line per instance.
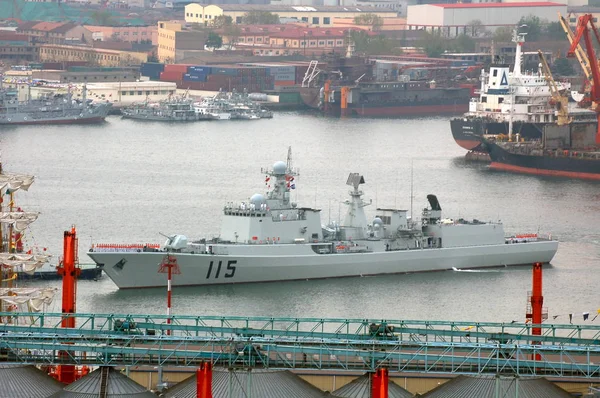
[440, 347]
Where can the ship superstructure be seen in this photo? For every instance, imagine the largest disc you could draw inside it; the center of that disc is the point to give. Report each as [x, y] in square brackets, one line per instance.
[270, 238]
[517, 102]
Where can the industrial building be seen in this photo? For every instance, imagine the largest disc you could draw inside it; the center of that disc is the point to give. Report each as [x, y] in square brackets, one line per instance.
[314, 15]
[454, 19]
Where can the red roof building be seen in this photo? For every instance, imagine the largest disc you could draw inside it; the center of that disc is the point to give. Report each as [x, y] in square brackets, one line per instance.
[55, 32]
[290, 39]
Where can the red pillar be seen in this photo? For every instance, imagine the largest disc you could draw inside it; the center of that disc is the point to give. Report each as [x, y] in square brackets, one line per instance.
[204, 380]
[69, 272]
[537, 301]
[379, 383]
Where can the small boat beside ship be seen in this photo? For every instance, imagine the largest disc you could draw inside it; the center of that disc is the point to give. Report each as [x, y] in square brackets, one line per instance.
[271, 238]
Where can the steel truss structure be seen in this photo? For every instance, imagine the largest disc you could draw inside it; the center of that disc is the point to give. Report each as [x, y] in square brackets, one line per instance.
[283, 343]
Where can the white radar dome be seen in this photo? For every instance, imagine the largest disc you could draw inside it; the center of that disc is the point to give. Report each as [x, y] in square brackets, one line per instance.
[377, 222]
[257, 199]
[279, 168]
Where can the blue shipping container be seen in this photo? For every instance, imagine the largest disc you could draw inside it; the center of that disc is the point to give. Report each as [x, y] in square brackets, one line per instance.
[280, 77]
[206, 70]
[225, 71]
[194, 77]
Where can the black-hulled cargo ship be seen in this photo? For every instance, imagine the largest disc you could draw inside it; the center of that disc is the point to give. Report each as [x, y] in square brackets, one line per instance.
[522, 99]
[360, 87]
[565, 151]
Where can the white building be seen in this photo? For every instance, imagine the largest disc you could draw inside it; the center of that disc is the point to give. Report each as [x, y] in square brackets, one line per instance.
[126, 93]
[453, 19]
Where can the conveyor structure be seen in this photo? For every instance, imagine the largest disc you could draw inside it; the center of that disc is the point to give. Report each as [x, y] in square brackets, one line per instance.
[283, 343]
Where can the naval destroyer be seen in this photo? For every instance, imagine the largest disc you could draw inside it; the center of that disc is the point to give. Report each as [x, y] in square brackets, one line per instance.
[271, 238]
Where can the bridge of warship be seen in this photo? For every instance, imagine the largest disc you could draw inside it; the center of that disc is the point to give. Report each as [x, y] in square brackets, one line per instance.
[441, 347]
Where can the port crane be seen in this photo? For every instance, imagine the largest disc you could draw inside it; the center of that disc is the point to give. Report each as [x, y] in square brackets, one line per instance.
[585, 24]
[583, 61]
[560, 100]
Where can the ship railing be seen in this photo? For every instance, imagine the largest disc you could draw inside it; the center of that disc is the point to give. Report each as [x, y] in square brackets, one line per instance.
[525, 238]
[124, 248]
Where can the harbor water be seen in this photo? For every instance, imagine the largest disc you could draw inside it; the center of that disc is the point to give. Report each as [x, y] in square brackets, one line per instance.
[128, 181]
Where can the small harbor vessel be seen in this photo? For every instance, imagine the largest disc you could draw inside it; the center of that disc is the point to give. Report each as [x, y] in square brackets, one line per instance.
[271, 238]
[175, 109]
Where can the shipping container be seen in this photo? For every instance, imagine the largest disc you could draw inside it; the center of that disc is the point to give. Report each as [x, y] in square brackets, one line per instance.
[205, 70]
[285, 82]
[194, 77]
[288, 76]
[182, 68]
[171, 76]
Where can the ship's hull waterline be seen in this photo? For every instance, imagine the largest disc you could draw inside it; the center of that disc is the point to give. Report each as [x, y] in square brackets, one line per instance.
[140, 270]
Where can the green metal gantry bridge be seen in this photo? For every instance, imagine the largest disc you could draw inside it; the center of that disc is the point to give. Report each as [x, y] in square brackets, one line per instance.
[283, 343]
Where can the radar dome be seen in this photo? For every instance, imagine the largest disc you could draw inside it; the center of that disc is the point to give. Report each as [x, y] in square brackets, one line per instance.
[377, 222]
[279, 168]
[257, 199]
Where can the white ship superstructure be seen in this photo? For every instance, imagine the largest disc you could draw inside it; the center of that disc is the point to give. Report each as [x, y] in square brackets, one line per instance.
[522, 96]
[271, 238]
[518, 102]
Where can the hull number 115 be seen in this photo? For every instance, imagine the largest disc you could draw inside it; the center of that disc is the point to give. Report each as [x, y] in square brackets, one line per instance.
[229, 271]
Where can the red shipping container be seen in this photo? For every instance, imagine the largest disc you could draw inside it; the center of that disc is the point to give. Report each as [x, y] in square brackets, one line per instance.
[182, 68]
[285, 82]
[171, 76]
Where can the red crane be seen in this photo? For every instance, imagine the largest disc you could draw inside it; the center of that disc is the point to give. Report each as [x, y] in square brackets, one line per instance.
[584, 25]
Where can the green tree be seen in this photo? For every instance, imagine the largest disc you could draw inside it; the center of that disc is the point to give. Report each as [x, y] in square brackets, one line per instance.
[503, 34]
[463, 43]
[373, 20]
[373, 45]
[214, 41]
[102, 18]
[553, 31]
[562, 67]
[433, 44]
[260, 18]
[221, 21]
[233, 33]
[475, 28]
[534, 27]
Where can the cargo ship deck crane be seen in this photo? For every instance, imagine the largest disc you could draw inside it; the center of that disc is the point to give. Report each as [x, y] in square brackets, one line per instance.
[560, 100]
[584, 25]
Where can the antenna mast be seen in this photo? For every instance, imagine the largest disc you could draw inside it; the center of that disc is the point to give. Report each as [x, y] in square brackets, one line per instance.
[411, 191]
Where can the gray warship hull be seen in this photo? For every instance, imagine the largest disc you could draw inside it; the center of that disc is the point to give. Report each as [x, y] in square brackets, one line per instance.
[97, 114]
[270, 238]
[299, 262]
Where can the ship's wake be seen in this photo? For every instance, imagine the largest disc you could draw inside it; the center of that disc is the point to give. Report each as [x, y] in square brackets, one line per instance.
[471, 270]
